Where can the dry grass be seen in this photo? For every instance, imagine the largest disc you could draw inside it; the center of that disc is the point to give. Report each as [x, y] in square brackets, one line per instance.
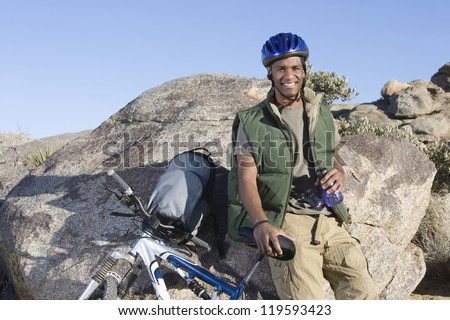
[433, 236]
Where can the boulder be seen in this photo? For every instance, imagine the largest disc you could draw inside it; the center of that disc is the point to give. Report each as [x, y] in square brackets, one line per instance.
[371, 112]
[55, 226]
[420, 98]
[421, 107]
[385, 193]
[435, 125]
[442, 77]
[66, 228]
[392, 87]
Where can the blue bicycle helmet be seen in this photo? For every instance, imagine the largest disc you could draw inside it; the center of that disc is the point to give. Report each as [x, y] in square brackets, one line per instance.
[281, 46]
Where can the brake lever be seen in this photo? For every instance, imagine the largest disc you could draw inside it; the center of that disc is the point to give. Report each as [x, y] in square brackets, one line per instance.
[121, 214]
[123, 198]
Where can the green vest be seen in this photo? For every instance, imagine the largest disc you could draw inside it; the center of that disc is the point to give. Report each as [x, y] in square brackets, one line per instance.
[272, 151]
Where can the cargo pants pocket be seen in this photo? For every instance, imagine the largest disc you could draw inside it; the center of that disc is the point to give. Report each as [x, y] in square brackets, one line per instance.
[280, 277]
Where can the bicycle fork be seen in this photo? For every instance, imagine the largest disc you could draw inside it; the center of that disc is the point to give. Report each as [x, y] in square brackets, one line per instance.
[149, 258]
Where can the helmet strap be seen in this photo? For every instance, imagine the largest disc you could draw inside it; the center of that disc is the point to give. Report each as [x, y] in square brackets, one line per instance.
[269, 73]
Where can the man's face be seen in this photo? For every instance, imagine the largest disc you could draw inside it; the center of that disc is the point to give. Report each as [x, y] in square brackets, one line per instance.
[287, 76]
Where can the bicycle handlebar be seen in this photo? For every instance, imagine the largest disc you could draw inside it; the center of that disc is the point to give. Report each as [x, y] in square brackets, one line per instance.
[129, 192]
[126, 188]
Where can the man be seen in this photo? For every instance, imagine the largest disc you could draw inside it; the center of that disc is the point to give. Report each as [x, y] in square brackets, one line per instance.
[279, 147]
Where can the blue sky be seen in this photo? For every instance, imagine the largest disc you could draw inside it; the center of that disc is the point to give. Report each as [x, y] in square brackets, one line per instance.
[66, 66]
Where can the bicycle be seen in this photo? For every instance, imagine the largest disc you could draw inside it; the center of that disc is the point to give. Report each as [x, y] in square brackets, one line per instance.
[170, 244]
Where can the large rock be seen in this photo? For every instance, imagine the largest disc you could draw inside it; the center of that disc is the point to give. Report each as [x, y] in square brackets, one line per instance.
[420, 98]
[442, 77]
[392, 87]
[388, 191]
[55, 225]
[421, 107]
[373, 113]
[435, 125]
[65, 228]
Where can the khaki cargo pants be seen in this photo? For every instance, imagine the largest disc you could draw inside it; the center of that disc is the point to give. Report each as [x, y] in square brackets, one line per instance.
[338, 259]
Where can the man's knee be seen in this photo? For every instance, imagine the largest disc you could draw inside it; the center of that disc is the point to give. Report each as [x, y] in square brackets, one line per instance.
[348, 273]
[362, 288]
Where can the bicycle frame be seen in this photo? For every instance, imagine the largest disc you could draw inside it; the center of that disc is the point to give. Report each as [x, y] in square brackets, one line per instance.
[149, 248]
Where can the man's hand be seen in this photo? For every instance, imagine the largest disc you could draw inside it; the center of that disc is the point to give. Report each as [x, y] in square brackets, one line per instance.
[334, 179]
[265, 234]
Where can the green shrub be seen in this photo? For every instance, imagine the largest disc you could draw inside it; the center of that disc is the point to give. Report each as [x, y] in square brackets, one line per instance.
[363, 126]
[38, 156]
[334, 87]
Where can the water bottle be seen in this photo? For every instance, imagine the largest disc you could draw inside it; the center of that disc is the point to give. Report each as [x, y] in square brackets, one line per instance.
[313, 197]
[330, 199]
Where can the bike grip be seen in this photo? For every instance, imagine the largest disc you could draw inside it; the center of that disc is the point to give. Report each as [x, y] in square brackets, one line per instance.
[127, 189]
[201, 243]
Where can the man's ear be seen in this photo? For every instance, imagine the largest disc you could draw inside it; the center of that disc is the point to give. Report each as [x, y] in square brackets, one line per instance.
[269, 73]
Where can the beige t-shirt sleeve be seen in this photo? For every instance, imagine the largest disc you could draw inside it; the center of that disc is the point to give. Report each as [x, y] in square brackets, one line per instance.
[242, 145]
